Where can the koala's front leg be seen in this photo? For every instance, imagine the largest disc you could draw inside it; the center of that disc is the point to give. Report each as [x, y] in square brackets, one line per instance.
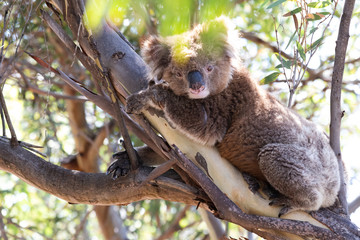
[153, 97]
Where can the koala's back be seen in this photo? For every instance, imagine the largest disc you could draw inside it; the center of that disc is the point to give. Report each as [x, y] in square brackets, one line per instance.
[273, 143]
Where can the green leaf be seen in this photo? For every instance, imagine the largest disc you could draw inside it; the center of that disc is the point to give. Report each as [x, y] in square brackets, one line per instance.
[295, 11]
[270, 78]
[301, 50]
[314, 16]
[292, 37]
[315, 44]
[276, 3]
[264, 3]
[313, 30]
[320, 4]
[283, 62]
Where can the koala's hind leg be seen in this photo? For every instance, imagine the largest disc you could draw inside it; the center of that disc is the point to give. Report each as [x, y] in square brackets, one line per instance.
[290, 170]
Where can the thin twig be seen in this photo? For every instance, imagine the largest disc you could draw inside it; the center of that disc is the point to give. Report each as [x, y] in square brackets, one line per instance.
[174, 226]
[134, 161]
[355, 204]
[37, 90]
[2, 226]
[13, 140]
[81, 226]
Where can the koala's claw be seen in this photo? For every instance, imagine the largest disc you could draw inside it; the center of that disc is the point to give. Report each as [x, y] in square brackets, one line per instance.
[134, 104]
[283, 202]
[284, 211]
[120, 167]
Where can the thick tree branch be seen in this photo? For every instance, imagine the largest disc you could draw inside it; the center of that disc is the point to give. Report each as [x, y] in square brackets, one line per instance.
[354, 205]
[227, 210]
[335, 104]
[92, 188]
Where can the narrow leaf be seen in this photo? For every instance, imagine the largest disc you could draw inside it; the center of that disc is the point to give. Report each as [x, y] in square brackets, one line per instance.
[314, 17]
[301, 50]
[270, 78]
[315, 44]
[276, 3]
[296, 22]
[320, 15]
[264, 3]
[313, 30]
[285, 64]
[310, 16]
[292, 37]
[320, 4]
[295, 11]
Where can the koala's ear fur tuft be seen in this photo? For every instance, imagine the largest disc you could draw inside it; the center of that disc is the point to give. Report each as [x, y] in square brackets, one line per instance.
[157, 55]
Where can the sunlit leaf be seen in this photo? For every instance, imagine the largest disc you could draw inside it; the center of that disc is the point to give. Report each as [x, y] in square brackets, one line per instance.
[215, 8]
[314, 17]
[175, 17]
[264, 3]
[95, 11]
[270, 78]
[301, 50]
[310, 16]
[295, 11]
[320, 4]
[117, 10]
[320, 15]
[286, 64]
[292, 37]
[315, 44]
[276, 3]
[283, 62]
[313, 30]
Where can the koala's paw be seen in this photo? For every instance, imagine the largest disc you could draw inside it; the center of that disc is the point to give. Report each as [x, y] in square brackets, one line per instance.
[283, 202]
[120, 167]
[253, 183]
[135, 103]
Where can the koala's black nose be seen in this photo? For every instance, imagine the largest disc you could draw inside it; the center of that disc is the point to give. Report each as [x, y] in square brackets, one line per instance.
[195, 79]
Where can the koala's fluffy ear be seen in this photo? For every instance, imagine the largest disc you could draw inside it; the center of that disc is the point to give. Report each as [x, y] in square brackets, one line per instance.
[157, 55]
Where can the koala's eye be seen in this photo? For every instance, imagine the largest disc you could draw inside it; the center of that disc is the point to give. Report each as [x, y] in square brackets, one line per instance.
[209, 68]
[178, 74]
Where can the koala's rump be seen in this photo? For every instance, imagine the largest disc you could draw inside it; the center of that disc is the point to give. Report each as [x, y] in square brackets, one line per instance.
[259, 126]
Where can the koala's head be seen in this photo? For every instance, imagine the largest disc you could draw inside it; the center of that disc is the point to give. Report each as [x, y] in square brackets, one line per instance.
[195, 64]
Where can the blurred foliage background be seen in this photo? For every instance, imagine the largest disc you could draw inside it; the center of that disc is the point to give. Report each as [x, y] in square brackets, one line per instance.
[38, 109]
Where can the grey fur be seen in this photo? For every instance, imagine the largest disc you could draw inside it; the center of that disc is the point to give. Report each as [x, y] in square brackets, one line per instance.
[251, 129]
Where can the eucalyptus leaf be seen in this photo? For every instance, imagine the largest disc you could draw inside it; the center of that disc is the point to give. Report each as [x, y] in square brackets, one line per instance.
[270, 78]
[301, 51]
[276, 3]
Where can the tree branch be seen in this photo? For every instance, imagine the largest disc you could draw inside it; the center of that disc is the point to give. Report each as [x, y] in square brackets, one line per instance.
[354, 205]
[335, 98]
[92, 188]
[128, 72]
[257, 40]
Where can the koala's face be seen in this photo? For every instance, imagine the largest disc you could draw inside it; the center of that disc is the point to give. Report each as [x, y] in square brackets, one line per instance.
[199, 78]
[196, 64]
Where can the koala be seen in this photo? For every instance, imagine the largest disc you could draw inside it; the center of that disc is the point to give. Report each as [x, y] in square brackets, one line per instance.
[206, 94]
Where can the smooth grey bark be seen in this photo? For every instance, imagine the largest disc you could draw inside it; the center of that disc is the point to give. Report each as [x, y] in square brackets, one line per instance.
[335, 99]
